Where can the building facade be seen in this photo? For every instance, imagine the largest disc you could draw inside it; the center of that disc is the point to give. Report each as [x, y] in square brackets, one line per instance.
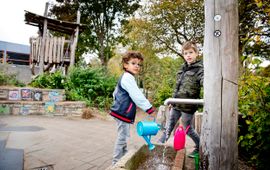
[13, 53]
[14, 59]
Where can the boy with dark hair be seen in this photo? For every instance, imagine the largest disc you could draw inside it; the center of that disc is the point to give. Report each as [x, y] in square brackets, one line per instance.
[127, 96]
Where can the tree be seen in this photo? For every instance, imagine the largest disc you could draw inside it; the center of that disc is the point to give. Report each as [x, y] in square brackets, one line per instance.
[103, 18]
[168, 24]
[254, 29]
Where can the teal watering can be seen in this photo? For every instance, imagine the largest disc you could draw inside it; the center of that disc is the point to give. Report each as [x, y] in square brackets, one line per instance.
[146, 129]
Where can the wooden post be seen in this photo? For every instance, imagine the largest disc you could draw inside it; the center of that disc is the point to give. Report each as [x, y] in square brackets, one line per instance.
[4, 57]
[218, 146]
[42, 53]
[75, 40]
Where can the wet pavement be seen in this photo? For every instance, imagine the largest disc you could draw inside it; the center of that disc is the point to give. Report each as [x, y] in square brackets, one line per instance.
[62, 142]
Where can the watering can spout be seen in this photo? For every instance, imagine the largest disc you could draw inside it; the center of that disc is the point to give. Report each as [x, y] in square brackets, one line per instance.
[150, 145]
[146, 129]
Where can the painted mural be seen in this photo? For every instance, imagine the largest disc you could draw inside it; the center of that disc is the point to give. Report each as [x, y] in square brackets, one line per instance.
[14, 95]
[4, 109]
[37, 95]
[24, 110]
[50, 107]
[54, 96]
[26, 94]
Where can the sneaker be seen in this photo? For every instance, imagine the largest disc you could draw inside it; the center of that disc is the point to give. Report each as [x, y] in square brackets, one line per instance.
[193, 153]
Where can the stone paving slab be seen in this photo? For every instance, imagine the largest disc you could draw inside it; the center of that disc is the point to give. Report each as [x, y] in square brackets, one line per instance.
[65, 142]
[11, 159]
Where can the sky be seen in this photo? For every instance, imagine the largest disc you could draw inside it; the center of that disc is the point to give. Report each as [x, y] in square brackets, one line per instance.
[12, 27]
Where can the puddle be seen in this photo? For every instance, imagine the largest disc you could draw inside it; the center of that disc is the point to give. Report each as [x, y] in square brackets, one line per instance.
[21, 128]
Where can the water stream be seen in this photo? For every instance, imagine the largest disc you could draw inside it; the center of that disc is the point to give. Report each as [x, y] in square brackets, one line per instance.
[161, 158]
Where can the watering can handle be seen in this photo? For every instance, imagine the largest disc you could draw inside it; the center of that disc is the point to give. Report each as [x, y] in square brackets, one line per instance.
[187, 128]
[149, 116]
[182, 128]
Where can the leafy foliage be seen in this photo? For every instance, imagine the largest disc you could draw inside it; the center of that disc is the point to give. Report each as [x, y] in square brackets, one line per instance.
[167, 25]
[92, 85]
[102, 17]
[254, 28]
[49, 80]
[165, 79]
[265, 72]
[254, 124]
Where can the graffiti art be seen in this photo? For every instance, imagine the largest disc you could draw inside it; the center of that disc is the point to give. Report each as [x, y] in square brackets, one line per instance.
[49, 107]
[14, 95]
[26, 94]
[4, 109]
[54, 96]
[37, 95]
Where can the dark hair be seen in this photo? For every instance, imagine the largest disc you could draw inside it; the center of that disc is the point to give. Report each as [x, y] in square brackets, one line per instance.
[188, 45]
[130, 55]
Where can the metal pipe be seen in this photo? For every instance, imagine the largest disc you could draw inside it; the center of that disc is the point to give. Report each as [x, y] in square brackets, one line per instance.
[183, 101]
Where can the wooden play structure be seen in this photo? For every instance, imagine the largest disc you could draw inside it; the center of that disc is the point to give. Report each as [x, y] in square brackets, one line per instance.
[48, 52]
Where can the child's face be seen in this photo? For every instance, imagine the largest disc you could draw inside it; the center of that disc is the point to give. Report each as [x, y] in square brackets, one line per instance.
[190, 55]
[133, 66]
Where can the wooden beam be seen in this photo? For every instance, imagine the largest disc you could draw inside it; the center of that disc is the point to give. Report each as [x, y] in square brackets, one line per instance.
[218, 146]
[64, 27]
[54, 49]
[74, 41]
[42, 54]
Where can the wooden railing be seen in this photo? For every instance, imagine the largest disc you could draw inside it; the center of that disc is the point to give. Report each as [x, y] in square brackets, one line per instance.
[55, 50]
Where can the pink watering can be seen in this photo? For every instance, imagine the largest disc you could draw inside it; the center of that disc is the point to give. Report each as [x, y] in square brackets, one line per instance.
[180, 138]
[146, 129]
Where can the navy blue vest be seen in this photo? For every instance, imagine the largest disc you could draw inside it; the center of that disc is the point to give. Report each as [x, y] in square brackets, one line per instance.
[123, 108]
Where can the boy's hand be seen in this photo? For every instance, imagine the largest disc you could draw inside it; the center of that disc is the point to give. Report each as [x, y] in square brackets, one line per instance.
[170, 106]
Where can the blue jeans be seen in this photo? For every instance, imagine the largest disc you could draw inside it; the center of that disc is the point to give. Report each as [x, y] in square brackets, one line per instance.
[123, 133]
[186, 120]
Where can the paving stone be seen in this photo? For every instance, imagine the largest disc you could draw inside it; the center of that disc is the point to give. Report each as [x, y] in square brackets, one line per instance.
[11, 159]
[67, 143]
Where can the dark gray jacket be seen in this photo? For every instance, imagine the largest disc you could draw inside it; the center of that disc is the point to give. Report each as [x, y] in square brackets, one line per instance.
[188, 85]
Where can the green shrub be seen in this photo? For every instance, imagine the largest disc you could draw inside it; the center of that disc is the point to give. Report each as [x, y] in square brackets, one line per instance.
[254, 123]
[163, 92]
[164, 79]
[93, 85]
[49, 80]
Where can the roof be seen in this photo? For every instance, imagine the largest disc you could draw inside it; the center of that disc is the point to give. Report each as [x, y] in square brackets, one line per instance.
[14, 47]
[52, 24]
